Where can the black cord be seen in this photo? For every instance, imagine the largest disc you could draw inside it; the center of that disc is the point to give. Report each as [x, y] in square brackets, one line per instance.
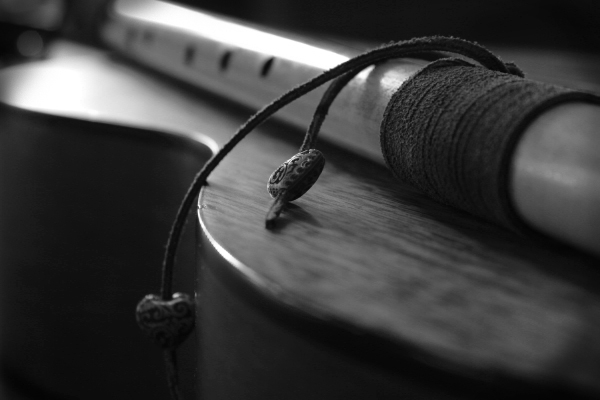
[344, 73]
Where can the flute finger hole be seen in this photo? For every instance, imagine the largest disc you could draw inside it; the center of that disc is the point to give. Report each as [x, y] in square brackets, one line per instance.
[224, 61]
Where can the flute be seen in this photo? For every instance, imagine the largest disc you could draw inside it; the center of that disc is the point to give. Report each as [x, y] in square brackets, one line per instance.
[554, 180]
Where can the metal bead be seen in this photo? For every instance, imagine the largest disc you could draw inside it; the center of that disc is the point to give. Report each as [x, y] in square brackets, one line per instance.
[166, 322]
[296, 175]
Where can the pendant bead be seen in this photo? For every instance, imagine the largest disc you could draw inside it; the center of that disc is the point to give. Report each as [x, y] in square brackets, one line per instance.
[167, 322]
[297, 175]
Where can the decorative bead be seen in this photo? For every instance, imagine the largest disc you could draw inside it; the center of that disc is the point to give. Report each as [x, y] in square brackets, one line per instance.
[167, 322]
[296, 175]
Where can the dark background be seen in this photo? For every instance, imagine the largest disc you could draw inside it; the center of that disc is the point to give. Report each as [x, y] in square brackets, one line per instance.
[551, 24]
[543, 24]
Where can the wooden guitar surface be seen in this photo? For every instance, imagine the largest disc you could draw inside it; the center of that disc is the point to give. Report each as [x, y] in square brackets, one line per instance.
[366, 253]
[366, 288]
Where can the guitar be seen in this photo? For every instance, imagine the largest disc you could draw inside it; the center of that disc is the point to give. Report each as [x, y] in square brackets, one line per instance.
[366, 288]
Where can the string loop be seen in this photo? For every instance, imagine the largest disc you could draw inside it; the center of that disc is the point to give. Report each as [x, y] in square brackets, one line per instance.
[407, 48]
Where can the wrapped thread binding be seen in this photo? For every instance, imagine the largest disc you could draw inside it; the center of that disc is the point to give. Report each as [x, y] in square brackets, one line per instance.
[451, 131]
[452, 128]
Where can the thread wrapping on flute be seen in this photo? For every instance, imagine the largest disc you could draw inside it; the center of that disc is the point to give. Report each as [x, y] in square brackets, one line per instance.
[452, 128]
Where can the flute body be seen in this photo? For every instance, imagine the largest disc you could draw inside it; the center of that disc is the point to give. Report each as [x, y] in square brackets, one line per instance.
[555, 173]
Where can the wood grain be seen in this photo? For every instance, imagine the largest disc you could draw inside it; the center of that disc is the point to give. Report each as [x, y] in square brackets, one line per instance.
[373, 253]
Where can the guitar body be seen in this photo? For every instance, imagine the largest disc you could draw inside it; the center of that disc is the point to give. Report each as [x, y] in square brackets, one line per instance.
[368, 289]
[365, 289]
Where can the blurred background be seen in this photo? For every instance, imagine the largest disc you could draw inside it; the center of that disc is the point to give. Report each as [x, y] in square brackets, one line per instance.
[555, 24]
[552, 40]
[549, 24]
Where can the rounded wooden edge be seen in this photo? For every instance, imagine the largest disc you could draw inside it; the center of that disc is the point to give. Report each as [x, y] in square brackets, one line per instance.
[15, 382]
[382, 352]
[186, 140]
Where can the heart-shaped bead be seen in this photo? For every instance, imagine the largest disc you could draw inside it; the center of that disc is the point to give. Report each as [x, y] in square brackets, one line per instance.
[296, 175]
[167, 322]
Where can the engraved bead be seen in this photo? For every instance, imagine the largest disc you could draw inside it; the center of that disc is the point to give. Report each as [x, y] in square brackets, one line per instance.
[296, 175]
[166, 322]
